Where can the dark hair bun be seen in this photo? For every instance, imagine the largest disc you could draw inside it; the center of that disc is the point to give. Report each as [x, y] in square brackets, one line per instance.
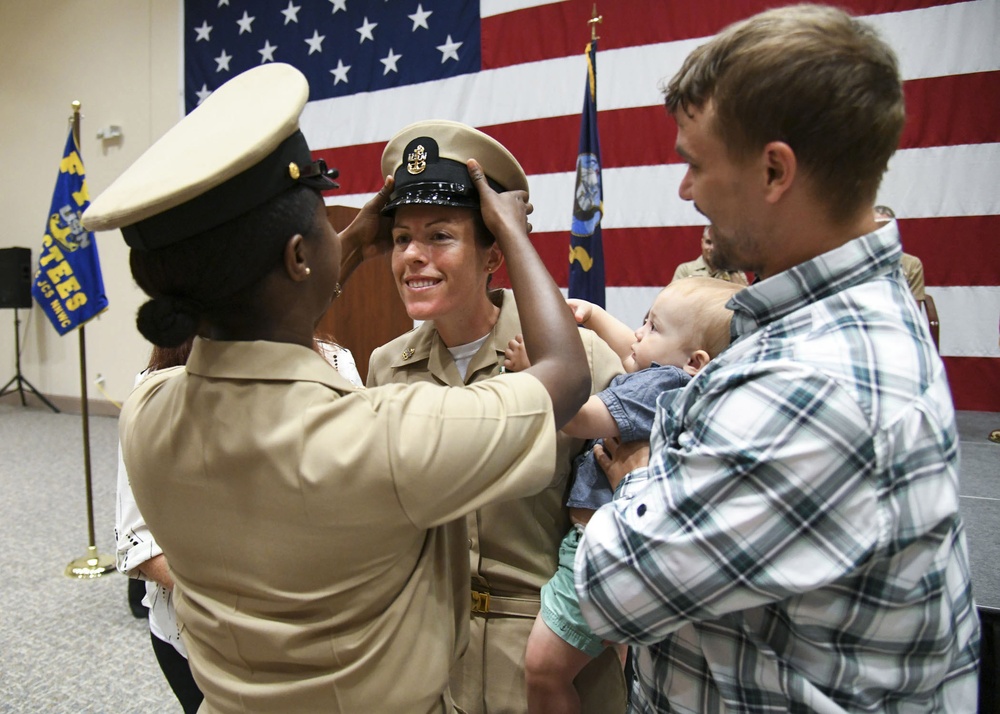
[167, 322]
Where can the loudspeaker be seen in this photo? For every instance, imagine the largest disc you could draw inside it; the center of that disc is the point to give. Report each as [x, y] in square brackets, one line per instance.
[15, 277]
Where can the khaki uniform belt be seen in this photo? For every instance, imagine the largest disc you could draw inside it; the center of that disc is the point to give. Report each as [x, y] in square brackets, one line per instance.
[485, 603]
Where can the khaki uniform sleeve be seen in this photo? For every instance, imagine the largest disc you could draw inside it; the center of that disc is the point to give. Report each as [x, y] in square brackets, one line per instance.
[453, 450]
[605, 365]
[377, 364]
[913, 268]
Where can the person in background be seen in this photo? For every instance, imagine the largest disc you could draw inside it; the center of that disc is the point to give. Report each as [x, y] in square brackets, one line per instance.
[913, 267]
[797, 543]
[136, 596]
[339, 357]
[442, 259]
[687, 325]
[315, 530]
[704, 265]
[140, 558]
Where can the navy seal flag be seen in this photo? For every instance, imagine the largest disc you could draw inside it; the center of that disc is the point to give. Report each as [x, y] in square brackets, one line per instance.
[68, 285]
[586, 252]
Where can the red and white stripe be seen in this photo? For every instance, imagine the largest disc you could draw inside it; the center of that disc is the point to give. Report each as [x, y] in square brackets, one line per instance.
[944, 183]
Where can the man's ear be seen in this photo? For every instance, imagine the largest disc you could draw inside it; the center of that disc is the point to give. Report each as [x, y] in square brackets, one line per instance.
[296, 263]
[696, 362]
[781, 167]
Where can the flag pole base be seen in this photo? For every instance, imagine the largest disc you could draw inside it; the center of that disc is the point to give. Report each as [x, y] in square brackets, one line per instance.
[90, 566]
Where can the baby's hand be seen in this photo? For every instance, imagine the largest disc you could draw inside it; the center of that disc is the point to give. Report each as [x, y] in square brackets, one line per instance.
[582, 310]
[515, 356]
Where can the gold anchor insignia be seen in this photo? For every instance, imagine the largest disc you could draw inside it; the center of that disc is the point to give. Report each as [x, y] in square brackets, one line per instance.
[407, 353]
[293, 171]
[580, 254]
[417, 161]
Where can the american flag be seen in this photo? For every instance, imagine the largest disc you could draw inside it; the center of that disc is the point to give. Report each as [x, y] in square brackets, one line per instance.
[513, 69]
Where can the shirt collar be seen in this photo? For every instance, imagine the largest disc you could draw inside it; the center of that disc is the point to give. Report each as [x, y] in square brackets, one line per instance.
[424, 338]
[425, 344]
[263, 361]
[857, 261]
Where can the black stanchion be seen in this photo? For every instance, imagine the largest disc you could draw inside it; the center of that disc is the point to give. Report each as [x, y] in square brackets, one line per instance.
[18, 383]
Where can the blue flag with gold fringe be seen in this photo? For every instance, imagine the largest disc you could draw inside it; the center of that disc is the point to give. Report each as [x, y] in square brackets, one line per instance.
[68, 284]
[586, 253]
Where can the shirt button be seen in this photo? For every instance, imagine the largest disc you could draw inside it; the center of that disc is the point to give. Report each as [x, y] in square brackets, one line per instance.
[641, 510]
[470, 543]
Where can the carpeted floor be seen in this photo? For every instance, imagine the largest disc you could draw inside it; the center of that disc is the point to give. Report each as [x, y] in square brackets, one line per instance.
[979, 486]
[66, 645]
[71, 646]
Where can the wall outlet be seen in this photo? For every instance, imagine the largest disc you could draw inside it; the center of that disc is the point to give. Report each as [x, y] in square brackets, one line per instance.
[99, 380]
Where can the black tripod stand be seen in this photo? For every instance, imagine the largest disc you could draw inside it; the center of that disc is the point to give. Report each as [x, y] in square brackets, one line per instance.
[18, 377]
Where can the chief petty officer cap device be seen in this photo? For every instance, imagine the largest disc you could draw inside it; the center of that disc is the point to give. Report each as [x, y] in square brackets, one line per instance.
[427, 160]
[240, 148]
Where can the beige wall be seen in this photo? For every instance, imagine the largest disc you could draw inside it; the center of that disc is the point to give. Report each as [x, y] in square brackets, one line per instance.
[121, 60]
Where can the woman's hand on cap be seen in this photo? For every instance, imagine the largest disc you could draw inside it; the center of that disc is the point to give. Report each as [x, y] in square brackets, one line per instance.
[368, 235]
[374, 231]
[507, 211]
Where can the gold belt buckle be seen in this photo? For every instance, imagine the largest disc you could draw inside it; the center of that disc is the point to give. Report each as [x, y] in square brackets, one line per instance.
[480, 602]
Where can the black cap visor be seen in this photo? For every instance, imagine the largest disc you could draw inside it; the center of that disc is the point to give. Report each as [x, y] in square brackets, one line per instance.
[445, 183]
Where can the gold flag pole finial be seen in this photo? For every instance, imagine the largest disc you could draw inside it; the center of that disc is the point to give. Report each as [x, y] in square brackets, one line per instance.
[593, 21]
[75, 120]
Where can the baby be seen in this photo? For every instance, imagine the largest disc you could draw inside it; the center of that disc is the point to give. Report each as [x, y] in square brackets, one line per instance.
[687, 325]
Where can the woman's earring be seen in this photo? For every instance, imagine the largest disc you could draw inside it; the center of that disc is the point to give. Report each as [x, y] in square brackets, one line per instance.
[308, 270]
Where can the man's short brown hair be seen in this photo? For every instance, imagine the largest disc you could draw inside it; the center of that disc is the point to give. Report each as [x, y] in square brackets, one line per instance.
[810, 76]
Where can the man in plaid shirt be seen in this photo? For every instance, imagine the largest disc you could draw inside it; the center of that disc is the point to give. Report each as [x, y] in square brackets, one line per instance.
[795, 544]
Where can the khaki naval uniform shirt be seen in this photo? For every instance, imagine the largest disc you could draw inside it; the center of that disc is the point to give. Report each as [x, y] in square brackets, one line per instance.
[913, 269]
[315, 531]
[513, 546]
[698, 267]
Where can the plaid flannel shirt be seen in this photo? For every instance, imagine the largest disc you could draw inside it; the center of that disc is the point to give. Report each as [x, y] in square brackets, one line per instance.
[797, 544]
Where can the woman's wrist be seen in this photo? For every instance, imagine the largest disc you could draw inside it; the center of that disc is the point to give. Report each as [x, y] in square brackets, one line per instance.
[351, 259]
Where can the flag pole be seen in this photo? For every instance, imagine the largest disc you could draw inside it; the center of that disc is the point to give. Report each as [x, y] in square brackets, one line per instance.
[91, 565]
[586, 251]
[593, 22]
